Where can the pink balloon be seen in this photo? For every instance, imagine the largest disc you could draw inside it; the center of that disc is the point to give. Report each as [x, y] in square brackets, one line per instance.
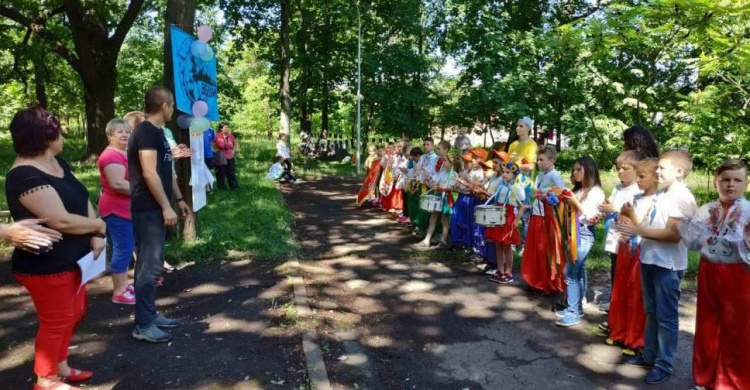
[200, 109]
[205, 33]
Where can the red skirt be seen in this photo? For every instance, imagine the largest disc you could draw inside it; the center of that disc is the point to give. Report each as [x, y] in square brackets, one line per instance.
[535, 266]
[722, 328]
[627, 317]
[507, 234]
[394, 200]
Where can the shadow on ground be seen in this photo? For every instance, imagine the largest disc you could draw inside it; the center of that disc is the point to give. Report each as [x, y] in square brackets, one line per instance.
[235, 334]
[390, 318]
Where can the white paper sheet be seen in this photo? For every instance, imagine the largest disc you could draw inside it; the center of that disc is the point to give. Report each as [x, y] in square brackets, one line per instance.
[90, 267]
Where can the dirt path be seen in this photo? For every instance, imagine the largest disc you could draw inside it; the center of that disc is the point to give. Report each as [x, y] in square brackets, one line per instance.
[235, 334]
[391, 318]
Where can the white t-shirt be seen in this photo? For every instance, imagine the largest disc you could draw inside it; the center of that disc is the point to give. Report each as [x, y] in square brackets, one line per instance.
[543, 182]
[275, 171]
[677, 202]
[590, 205]
[619, 196]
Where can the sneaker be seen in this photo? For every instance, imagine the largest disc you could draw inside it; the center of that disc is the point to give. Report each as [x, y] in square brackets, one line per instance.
[497, 278]
[168, 267]
[562, 313]
[638, 362]
[656, 376]
[507, 278]
[152, 334]
[491, 272]
[164, 322]
[604, 307]
[130, 288]
[568, 321]
[159, 281]
[126, 298]
[629, 352]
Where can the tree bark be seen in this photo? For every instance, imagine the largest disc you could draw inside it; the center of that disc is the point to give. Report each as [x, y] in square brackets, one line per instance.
[286, 101]
[180, 13]
[40, 84]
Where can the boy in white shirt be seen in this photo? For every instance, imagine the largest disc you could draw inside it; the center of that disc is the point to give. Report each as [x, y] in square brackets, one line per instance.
[622, 193]
[663, 263]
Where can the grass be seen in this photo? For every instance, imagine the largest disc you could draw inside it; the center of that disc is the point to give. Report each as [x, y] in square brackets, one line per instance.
[250, 222]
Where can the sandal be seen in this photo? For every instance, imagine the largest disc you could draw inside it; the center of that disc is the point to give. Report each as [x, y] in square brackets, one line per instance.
[77, 376]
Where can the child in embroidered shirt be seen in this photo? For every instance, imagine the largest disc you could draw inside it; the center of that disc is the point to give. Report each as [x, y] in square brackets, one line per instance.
[663, 263]
[535, 268]
[626, 316]
[721, 232]
[442, 182]
[622, 193]
[509, 195]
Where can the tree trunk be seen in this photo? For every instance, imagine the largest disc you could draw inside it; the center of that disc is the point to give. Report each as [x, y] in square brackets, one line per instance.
[181, 13]
[40, 84]
[286, 101]
[558, 139]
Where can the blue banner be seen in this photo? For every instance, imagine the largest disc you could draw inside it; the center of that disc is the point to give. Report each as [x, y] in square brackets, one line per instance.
[194, 79]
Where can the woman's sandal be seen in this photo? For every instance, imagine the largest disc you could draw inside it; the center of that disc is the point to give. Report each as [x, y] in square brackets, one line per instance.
[77, 376]
[55, 386]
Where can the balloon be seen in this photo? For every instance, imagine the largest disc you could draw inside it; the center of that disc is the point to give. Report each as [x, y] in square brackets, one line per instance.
[208, 54]
[205, 33]
[199, 124]
[200, 109]
[183, 121]
[197, 48]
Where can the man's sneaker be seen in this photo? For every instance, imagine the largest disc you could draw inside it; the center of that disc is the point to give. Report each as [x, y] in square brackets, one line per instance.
[126, 298]
[152, 334]
[491, 272]
[568, 321]
[656, 376]
[638, 362]
[164, 322]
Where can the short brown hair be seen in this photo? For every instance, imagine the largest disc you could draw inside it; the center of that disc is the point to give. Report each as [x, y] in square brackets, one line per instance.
[32, 129]
[680, 159]
[550, 151]
[730, 165]
[156, 97]
[647, 165]
[629, 157]
[445, 145]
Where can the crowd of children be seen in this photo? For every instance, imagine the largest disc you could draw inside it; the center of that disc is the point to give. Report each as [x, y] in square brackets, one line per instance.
[650, 221]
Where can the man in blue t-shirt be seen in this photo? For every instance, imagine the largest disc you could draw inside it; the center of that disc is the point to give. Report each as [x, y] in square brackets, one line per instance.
[208, 151]
[152, 187]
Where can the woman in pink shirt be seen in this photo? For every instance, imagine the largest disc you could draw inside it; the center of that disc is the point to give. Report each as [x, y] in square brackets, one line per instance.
[226, 143]
[114, 208]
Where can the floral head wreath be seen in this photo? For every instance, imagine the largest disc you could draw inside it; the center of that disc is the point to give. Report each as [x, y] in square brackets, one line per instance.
[513, 167]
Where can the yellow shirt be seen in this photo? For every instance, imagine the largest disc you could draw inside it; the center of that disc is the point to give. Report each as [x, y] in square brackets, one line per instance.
[518, 150]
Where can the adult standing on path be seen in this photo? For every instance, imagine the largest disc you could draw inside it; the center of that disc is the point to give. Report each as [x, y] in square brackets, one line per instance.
[152, 185]
[523, 152]
[114, 207]
[42, 185]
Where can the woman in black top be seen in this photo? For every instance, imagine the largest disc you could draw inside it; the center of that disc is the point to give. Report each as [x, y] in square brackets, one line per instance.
[41, 185]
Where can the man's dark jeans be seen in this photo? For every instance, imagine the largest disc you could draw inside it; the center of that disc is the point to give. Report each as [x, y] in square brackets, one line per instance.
[150, 234]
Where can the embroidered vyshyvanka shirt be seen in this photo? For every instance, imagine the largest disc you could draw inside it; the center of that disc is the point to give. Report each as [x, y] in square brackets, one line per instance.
[721, 235]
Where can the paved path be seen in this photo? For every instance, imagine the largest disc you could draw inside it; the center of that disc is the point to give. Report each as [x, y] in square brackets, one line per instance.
[391, 318]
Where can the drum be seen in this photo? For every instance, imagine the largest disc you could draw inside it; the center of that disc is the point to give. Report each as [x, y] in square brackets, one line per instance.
[431, 203]
[489, 215]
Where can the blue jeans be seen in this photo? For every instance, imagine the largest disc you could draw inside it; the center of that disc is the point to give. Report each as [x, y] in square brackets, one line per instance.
[575, 274]
[661, 295]
[121, 236]
[150, 236]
